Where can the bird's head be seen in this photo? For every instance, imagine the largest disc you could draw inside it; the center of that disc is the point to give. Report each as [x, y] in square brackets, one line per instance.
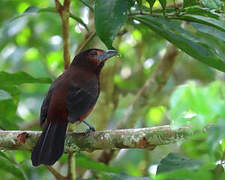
[93, 59]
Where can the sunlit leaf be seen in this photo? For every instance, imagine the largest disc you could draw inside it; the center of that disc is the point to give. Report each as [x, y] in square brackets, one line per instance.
[196, 106]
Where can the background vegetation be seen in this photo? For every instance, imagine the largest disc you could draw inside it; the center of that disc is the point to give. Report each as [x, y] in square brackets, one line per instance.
[151, 83]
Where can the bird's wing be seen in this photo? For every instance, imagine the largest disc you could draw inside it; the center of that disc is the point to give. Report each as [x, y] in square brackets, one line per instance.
[47, 100]
[45, 105]
[81, 99]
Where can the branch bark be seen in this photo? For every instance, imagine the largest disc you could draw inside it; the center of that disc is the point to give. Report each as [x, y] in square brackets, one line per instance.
[64, 13]
[144, 138]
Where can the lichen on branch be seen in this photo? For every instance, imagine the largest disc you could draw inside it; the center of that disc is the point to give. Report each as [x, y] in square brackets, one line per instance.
[144, 138]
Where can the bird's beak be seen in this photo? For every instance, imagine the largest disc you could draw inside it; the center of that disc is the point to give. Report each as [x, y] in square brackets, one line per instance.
[107, 54]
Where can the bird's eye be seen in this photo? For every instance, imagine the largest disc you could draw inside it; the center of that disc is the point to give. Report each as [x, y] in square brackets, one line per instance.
[93, 53]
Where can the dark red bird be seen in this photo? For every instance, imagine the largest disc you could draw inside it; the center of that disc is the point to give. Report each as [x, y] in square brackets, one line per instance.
[70, 98]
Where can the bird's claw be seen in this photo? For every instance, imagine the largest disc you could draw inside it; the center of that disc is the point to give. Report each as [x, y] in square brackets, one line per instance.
[91, 129]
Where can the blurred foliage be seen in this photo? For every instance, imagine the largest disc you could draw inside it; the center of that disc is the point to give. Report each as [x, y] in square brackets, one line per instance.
[31, 56]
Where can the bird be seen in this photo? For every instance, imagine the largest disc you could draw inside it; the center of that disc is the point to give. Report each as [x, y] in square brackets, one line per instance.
[70, 98]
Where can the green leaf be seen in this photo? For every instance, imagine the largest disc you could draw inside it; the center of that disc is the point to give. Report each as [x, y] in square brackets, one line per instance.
[185, 174]
[220, 35]
[84, 161]
[188, 3]
[151, 4]
[216, 134]
[20, 78]
[163, 3]
[196, 106]
[109, 17]
[127, 177]
[175, 161]
[79, 20]
[202, 11]
[212, 4]
[7, 165]
[220, 25]
[4, 95]
[8, 116]
[2, 154]
[196, 146]
[131, 3]
[212, 36]
[88, 4]
[185, 40]
[8, 107]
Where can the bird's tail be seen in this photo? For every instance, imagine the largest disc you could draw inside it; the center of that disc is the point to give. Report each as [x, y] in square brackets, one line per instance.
[50, 145]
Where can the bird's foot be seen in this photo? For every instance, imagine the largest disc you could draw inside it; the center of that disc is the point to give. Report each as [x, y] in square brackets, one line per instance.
[91, 129]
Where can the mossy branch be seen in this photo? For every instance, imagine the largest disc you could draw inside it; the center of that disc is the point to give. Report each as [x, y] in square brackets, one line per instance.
[144, 138]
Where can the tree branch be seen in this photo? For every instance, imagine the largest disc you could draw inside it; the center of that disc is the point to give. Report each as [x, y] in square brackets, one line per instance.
[144, 138]
[64, 13]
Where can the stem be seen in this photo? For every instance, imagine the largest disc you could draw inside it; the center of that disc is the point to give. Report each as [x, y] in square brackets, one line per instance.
[57, 175]
[71, 171]
[65, 34]
[64, 13]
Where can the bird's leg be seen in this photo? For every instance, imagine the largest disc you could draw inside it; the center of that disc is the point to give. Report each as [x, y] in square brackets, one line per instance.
[91, 128]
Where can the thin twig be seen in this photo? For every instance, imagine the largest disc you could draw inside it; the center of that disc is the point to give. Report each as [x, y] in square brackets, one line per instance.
[57, 175]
